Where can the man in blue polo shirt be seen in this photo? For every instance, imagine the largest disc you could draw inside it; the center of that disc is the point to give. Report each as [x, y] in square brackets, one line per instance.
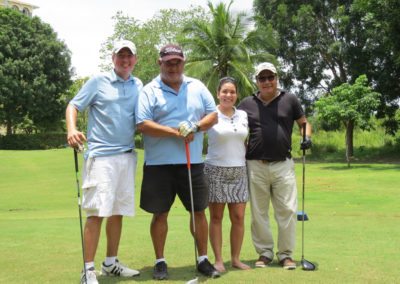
[110, 162]
[174, 109]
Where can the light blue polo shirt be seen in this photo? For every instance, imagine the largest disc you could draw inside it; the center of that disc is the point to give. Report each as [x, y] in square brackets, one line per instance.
[112, 103]
[163, 105]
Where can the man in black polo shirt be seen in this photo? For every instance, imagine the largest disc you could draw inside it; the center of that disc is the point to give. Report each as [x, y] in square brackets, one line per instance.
[271, 114]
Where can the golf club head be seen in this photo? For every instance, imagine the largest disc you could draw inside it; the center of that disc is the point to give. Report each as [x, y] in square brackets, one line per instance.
[300, 215]
[193, 281]
[308, 266]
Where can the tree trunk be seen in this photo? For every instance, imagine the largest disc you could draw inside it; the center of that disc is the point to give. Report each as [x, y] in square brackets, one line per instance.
[349, 141]
[9, 127]
[223, 72]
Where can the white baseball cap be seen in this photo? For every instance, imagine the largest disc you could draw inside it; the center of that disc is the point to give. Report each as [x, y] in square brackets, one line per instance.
[265, 66]
[124, 44]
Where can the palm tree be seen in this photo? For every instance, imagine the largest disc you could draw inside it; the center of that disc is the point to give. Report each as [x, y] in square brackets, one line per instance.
[225, 46]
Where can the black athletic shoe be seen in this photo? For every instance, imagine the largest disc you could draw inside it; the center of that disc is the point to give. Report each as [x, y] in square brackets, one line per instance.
[207, 269]
[160, 271]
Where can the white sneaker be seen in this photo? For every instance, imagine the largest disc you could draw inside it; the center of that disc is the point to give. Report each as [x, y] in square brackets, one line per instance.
[118, 269]
[90, 277]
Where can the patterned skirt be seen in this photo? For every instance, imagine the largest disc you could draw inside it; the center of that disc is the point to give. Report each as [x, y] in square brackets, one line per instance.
[227, 184]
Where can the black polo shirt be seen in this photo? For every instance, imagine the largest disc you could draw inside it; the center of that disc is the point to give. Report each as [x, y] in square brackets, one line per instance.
[270, 126]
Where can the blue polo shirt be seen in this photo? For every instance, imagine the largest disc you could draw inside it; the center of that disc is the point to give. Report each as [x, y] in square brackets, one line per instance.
[111, 102]
[163, 105]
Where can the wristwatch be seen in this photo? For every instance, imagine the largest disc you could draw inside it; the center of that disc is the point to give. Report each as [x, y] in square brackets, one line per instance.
[196, 127]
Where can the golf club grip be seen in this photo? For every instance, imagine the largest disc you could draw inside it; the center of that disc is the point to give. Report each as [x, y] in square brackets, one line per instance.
[304, 126]
[187, 154]
[76, 160]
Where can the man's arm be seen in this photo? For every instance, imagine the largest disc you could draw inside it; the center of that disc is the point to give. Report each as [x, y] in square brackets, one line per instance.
[75, 138]
[300, 122]
[188, 127]
[155, 129]
[305, 143]
[208, 121]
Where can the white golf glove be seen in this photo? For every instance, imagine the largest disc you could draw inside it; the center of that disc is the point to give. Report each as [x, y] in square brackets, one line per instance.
[80, 148]
[187, 127]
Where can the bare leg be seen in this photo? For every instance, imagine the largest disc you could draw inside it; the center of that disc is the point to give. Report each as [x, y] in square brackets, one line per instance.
[113, 230]
[91, 237]
[236, 214]
[216, 216]
[158, 231]
[201, 231]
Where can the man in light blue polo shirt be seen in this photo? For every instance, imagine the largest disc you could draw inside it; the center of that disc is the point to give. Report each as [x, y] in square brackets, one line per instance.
[110, 160]
[174, 109]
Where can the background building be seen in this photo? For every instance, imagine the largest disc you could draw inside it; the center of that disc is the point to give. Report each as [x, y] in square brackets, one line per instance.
[23, 7]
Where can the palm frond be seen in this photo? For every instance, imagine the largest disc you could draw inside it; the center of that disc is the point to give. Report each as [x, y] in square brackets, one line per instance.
[223, 46]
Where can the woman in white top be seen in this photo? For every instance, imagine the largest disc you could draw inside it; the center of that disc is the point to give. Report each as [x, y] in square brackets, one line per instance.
[226, 173]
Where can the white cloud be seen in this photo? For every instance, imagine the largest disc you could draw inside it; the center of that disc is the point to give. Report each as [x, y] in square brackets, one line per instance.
[84, 24]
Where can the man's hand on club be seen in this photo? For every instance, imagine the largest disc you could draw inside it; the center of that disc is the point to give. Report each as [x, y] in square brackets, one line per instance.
[187, 127]
[76, 139]
[306, 143]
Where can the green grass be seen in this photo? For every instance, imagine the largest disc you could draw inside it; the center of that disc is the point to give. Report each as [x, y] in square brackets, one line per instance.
[352, 233]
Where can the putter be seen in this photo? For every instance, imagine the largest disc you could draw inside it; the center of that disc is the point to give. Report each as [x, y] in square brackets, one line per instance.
[80, 210]
[195, 280]
[305, 264]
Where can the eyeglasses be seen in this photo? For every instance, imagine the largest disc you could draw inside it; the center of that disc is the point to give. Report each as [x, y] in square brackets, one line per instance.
[262, 79]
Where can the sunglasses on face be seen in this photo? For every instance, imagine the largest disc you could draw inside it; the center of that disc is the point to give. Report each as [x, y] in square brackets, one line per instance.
[262, 79]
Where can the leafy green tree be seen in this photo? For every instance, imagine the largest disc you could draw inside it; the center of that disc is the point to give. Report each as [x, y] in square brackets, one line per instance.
[226, 46]
[312, 42]
[382, 22]
[324, 44]
[149, 36]
[34, 72]
[351, 105]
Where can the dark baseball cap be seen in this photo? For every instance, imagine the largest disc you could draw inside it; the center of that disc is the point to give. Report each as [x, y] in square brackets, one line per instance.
[171, 51]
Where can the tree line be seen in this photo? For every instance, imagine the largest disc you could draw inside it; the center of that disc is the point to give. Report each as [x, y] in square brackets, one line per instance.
[336, 56]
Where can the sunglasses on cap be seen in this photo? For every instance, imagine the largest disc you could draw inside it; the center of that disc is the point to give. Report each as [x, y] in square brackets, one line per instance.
[227, 79]
[262, 79]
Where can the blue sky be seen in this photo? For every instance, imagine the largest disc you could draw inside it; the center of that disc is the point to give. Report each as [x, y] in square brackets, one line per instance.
[84, 24]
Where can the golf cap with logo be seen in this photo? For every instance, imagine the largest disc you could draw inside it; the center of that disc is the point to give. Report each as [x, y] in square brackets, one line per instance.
[124, 44]
[171, 51]
[265, 66]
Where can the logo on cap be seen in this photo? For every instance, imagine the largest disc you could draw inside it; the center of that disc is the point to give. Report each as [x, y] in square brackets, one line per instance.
[171, 51]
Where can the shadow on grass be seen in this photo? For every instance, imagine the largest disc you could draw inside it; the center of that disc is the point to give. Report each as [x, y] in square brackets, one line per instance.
[374, 167]
[251, 262]
[361, 154]
[186, 273]
[182, 273]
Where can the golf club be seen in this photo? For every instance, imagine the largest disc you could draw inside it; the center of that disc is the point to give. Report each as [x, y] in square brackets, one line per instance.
[306, 265]
[79, 206]
[195, 280]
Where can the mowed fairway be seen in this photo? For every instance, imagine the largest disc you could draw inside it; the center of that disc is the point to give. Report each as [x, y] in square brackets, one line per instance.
[353, 233]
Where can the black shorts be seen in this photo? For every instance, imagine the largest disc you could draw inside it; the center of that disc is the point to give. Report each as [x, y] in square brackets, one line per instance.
[161, 183]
